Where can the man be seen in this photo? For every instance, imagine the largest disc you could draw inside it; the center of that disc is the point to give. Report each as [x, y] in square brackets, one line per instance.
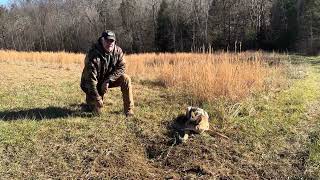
[105, 68]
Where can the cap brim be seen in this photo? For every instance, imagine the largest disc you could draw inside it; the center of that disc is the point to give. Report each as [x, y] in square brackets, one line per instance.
[110, 37]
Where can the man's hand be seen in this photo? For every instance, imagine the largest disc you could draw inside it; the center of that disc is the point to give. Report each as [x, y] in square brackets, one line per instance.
[104, 87]
[99, 103]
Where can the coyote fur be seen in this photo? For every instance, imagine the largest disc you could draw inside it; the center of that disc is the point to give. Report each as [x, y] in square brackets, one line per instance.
[197, 120]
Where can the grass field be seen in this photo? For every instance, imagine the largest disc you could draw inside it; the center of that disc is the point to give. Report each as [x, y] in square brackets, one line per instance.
[273, 127]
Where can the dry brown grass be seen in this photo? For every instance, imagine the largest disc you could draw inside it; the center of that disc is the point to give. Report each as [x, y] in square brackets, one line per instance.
[204, 77]
[51, 57]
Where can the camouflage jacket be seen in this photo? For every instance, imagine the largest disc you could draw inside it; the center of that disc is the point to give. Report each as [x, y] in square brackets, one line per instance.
[101, 67]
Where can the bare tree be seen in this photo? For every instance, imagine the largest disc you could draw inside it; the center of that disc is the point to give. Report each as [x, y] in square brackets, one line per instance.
[74, 25]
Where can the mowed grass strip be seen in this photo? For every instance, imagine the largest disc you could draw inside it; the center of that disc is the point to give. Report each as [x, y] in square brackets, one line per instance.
[282, 130]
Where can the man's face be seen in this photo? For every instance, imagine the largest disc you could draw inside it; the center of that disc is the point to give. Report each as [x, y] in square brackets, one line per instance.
[108, 44]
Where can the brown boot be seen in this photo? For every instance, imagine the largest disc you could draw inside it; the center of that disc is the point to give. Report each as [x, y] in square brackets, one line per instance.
[97, 110]
[91, 106]
[129, 113]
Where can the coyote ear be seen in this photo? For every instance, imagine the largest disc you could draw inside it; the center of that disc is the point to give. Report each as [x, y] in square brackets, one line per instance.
[188, 112]
[206, 114]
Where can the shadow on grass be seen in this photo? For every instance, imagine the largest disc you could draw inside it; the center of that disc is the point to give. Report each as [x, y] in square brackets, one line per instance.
[152, 83]
[315, 62]
[178, 123]
[175, 129]
[301, 59]
[44, 113]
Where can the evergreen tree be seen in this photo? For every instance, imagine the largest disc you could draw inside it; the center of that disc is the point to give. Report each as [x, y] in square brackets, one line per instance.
[309, 34]
[163, 39]
[285, 24]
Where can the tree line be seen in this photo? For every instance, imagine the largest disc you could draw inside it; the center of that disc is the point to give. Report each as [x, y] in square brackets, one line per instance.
[162, 25]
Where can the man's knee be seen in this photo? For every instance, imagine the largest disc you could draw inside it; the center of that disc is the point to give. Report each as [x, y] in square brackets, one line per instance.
[126, 79]
[123, 81]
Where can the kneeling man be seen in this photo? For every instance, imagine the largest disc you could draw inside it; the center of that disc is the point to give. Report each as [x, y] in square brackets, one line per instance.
[105, 68]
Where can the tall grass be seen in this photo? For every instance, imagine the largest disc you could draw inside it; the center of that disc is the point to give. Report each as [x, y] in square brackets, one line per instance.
[50, 57]
[207, 76]
[204, 77]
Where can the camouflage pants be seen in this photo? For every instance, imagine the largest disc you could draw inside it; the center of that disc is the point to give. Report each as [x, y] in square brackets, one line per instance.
[124, 82]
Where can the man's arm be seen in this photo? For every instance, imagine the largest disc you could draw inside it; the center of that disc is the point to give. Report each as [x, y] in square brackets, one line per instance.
[119, 69]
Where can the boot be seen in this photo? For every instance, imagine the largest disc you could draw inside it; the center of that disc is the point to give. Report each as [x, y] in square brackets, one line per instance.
[91, 106]
[129, 113]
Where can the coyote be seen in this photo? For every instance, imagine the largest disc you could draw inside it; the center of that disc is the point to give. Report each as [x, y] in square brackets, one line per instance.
[197, 120]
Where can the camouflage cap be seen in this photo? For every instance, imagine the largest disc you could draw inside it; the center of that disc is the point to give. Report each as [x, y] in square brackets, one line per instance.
[107, 34]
